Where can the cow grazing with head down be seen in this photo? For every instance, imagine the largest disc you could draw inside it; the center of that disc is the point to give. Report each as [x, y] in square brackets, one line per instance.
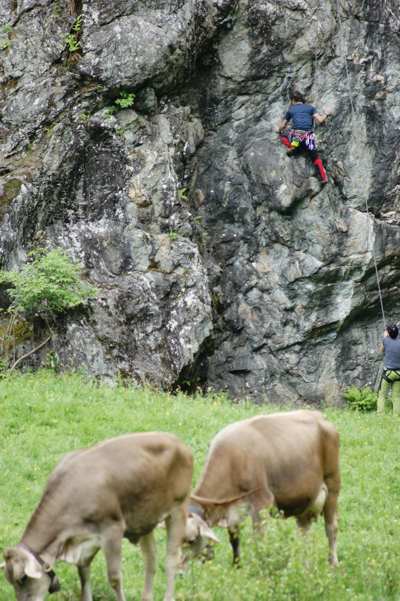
[122, 487]
[287, 460]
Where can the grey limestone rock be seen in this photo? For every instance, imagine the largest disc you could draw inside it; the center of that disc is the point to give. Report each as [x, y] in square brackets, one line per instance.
[219, 260]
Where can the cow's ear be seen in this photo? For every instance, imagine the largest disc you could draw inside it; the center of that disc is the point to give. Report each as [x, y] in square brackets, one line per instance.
[9, 554]
[2, 565]
[208, 533]
[32, 567]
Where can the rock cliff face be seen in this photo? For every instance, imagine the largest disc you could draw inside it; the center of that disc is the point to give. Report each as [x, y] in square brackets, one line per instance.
[219, 260]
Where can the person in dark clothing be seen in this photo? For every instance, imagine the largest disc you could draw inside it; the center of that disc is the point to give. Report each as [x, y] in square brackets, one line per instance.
[391, 372]
[301, 135]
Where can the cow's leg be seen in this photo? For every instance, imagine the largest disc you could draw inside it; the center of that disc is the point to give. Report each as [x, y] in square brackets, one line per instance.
[84, 577]
[234, 539]
[258, 526]
[148, 547]
[330, 515]
[259, 501]
[234, 519]
[112, 540]
[175, 523]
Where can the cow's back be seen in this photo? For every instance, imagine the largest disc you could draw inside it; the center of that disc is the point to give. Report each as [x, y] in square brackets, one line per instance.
[137, 477]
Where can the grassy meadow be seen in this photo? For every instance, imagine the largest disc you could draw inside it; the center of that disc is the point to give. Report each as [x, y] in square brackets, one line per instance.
[43, 415]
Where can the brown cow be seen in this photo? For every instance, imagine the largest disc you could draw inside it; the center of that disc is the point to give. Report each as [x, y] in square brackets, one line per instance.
[122, 487]
[287, 460]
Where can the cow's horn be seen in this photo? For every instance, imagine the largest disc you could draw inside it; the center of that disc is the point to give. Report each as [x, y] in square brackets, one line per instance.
[207, 501]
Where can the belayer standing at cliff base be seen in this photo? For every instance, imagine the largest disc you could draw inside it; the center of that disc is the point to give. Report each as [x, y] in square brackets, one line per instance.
[301, 136]
[391, 372]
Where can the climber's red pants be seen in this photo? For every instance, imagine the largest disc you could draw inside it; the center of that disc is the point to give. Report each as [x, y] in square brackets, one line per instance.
[313, 154]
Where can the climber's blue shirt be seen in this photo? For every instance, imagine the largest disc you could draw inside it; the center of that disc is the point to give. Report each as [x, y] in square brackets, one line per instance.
[301, 116]
[392, 353]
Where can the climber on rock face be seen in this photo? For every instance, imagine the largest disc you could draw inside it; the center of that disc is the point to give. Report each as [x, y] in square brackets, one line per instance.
[301, 135]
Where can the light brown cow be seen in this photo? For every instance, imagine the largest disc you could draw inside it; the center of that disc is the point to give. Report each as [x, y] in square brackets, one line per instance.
[287, 460]
[122, 487]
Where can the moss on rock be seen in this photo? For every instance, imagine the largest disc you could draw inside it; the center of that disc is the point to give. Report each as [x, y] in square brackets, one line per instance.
[13, 334]
[8, 192]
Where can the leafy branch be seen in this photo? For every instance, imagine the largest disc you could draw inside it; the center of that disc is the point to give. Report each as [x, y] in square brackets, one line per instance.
[47, 286]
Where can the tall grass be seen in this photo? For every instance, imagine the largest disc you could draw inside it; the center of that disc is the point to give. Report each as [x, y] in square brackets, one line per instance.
[43, 416]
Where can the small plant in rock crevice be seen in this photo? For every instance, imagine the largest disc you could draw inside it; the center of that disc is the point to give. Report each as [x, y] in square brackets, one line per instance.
[72, 38]
[126, 100]
[173, 235]
[183, 194]
[5, 42]
[72, 43]
[84, 117]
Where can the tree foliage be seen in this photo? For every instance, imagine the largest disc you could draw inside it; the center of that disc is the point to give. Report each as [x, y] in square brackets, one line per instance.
[48, 285]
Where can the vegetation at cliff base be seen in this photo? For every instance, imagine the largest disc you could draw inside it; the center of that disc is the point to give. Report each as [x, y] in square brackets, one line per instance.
[361, 399]
[49, 284]
[44, 415]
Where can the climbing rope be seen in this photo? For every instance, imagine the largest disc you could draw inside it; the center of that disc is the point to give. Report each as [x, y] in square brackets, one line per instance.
[353, 115]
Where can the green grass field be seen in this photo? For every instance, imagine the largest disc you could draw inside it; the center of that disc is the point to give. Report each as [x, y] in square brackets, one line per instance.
[43, 416]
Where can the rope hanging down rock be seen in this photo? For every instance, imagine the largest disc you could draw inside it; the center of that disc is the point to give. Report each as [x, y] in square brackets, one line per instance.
[353, 115]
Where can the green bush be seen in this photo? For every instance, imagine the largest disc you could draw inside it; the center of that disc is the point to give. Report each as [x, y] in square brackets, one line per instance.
[49, 285]
[361, 399]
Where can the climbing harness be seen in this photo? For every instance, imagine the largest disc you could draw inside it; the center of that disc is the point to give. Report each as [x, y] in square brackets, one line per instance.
[296, 137]
[353, 114]
[392, 371]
